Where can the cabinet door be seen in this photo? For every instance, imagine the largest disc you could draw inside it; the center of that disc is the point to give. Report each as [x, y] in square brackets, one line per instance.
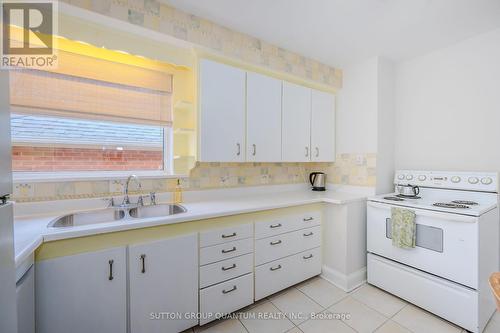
[296, 123]
[263, 118]
[82, 293]
[222, 112]
[163, 278]
[322, 126]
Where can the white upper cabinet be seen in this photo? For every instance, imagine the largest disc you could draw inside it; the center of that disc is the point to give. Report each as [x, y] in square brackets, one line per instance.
[322, 126]
[296, 124]
[263, 118]
[250, 117]
[163, 277]
[222, 118]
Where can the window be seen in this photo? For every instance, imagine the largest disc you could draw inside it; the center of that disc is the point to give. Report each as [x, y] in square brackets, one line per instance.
[50, 144]
[91, 114]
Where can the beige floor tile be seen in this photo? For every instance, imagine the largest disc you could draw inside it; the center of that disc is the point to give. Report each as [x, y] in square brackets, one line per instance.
[326, 325]
[222, 326]
[297, 306]
[421, 321]
[294, 330]
[265, 318]
[392, 327]
[379, 300]
[322, 292]
[494, 324]
[362, 318]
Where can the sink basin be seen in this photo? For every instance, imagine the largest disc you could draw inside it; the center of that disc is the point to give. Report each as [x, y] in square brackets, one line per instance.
[157, 210]
[86, 218]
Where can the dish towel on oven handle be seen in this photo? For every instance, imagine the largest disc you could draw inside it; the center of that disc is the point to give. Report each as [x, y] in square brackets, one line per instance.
[404, 229]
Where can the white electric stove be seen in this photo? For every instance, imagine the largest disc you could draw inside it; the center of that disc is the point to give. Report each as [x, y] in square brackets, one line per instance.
[457, 244]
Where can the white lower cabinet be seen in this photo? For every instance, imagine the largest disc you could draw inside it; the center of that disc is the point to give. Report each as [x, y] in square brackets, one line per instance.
[226, 271]
[225, 297]
[287, 251]
[163, 284]
[283, 273]
[82, 293]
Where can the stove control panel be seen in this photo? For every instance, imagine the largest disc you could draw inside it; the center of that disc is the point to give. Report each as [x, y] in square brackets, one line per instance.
[473, 181]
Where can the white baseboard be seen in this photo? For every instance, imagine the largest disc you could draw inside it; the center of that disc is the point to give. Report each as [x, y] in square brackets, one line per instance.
[343, 281]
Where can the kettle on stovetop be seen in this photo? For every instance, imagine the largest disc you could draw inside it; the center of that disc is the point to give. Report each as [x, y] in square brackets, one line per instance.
[318, 181]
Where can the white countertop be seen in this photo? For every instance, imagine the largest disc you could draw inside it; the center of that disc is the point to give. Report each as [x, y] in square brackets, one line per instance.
[31, 231]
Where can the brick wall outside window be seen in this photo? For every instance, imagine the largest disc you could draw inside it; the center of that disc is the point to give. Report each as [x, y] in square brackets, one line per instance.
[84, 159]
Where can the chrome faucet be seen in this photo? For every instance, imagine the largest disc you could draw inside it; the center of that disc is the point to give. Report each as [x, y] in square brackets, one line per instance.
[126, 199]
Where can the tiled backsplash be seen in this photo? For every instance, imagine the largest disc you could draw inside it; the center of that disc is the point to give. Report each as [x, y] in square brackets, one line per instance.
[349, 169]
[160, 17]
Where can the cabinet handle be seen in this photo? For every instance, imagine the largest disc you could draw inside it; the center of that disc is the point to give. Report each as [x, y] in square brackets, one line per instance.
[307, 151]
[111, 270]
[272, 226]
[229, 236]
[308, 257]
[254, 149]
[308, 234]
[275, 242]
[228, 291]
[275, 268]
[317, 152]
[143, 260]
[230, 250]
[238, 153]
[228, 268]
[307, 219]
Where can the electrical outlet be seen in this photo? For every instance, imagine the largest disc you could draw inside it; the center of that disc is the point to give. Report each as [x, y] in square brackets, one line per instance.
[360, 159]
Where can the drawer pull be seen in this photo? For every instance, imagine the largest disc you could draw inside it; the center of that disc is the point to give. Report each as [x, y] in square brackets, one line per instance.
[272, 226]
[308, 257]
[229, 290]
[110, 277]
[275, 242]
[275, 268]
[143, 261]
[308, 234]
[229, 236]
[230, 250]
[228, 268]
[307, 219]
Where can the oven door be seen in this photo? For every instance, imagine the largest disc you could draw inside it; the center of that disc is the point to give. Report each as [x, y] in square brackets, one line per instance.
[446, 244]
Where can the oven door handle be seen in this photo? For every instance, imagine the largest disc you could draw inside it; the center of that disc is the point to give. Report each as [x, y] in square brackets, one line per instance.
[428, 213]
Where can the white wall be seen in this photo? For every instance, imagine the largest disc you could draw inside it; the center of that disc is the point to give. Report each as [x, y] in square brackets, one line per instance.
[448, 107]
[365, 115]
[357, 109]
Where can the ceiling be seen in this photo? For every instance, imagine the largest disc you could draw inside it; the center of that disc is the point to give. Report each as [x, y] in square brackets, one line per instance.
[338, 32]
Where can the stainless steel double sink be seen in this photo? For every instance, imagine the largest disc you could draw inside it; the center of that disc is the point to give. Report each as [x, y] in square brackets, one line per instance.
[115, 214]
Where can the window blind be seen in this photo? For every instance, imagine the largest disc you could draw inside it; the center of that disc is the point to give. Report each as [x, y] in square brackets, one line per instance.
[92, 88]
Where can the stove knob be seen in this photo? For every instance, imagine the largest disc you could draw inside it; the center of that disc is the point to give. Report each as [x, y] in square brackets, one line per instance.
[401, 177]
[455, 179]
[473, 180]
[409, 177]
[486, 181]
[422, 178]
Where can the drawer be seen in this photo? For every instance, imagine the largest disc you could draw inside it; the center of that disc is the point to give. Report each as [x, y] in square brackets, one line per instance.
[309, 219]
[272, 248]
[224, 251]
[224, 235]
[283, 273]
[225, 270]
[286, 224]
[225, 297]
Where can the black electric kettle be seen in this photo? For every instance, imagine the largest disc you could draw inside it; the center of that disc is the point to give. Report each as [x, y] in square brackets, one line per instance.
[318, 181]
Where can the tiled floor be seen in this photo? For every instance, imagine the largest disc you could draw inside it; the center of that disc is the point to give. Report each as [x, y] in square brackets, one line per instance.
[366, 309]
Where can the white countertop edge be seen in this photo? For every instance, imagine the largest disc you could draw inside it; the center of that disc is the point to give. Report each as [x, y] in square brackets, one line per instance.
[245, 206]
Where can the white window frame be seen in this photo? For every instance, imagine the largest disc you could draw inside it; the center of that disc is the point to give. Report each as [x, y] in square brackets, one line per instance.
[46, 176]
